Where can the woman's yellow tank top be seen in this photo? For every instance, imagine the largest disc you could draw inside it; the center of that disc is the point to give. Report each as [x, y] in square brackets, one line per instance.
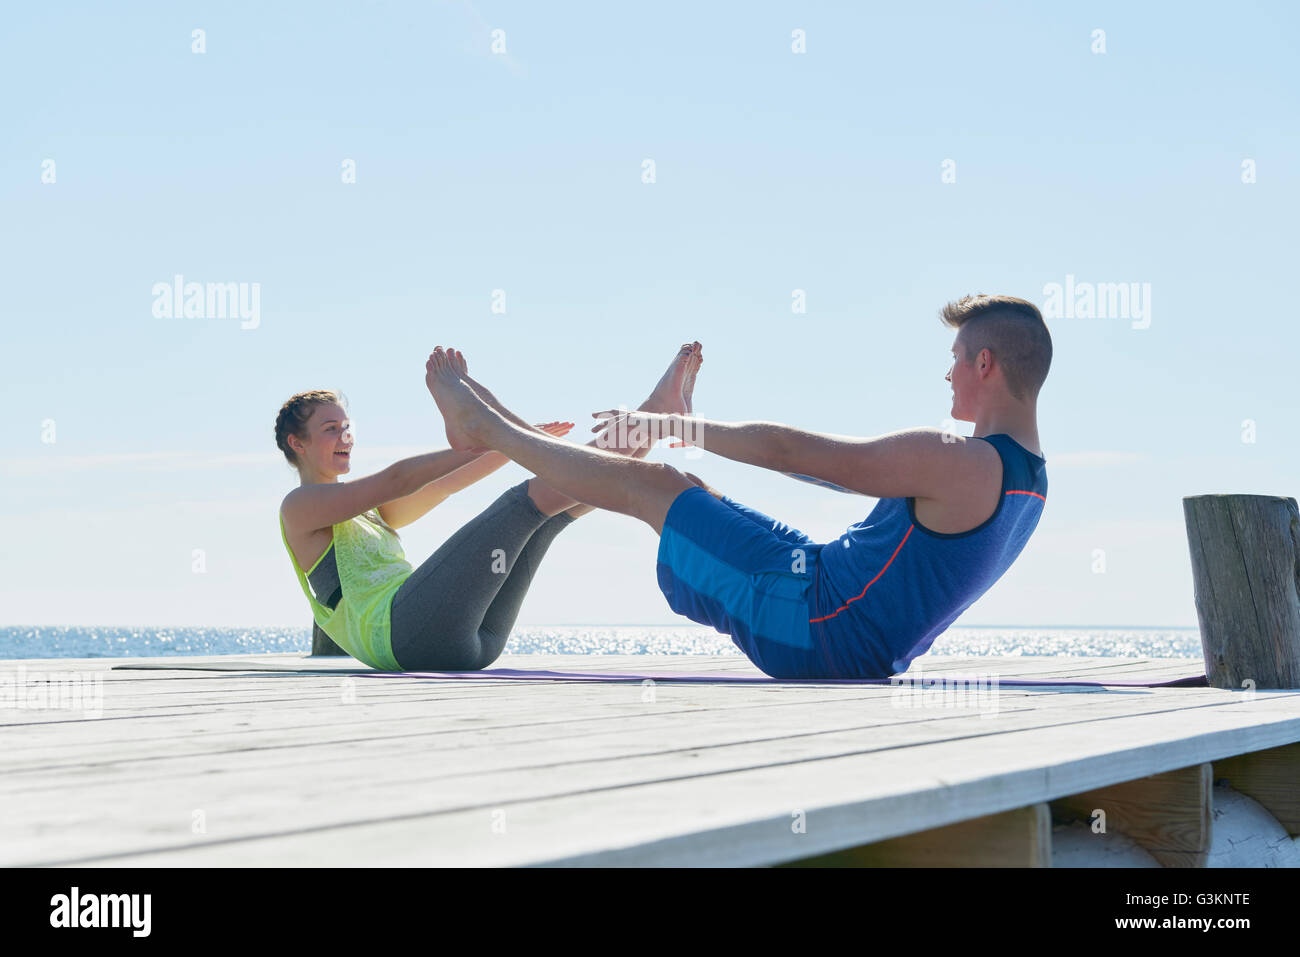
[372, 566]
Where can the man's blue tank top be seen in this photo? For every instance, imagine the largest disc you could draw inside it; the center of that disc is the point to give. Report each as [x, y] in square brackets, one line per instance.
[889, 586]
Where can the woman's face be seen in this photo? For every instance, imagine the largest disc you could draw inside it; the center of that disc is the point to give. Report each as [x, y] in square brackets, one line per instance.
[328, 446]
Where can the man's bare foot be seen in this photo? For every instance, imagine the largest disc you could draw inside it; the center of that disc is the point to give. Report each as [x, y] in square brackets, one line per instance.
[459, 363]
[667, 396]
[468, 418]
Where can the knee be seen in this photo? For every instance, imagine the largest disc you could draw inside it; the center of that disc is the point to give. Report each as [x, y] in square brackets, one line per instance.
[668, 476]
[704, 485]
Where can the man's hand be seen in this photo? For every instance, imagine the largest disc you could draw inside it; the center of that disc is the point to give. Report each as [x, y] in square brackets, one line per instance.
[638, 426]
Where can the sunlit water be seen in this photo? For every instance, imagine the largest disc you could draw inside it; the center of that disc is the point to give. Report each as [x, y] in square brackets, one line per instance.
[111, 642]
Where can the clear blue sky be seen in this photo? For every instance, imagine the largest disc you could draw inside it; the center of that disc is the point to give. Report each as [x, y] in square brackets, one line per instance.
[522, 171]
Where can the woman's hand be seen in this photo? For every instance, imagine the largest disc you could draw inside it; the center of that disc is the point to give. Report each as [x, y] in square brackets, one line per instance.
[556, 429]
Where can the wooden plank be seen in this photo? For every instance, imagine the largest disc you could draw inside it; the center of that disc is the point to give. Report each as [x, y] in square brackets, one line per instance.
[1270, 777]
[739, 819]
[1027, 665]
[1168, 814]
[186, 695]
[814, 729]
[454, 725]
[1017, 838]
[292, 797]
[187, 700]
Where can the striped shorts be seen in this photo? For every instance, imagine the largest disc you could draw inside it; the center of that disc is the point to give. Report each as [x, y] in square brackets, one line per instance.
[723, 564]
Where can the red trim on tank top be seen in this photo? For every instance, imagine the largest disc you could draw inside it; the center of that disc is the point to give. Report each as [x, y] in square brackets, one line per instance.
[813, 621]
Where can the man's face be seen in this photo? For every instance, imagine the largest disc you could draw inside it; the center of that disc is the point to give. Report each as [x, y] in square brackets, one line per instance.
[960, 378]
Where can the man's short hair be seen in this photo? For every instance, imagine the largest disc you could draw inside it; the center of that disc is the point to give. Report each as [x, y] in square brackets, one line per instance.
[1010, 328]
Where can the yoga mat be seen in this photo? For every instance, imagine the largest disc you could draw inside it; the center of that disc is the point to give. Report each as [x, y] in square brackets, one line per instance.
[698, 677]
[512, 674]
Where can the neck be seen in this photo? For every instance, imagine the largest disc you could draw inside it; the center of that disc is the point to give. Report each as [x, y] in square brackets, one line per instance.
[312, 477]
[1016, 419]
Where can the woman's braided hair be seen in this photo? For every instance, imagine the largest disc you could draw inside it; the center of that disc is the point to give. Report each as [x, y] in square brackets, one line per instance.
[294, 414]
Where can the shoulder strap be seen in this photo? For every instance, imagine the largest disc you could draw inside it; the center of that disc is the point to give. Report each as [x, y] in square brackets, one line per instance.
[319, 611]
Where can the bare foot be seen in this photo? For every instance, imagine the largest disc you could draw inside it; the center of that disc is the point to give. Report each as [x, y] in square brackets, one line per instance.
[688, 386]
[467, 417]
[666, 396]
[459, 363]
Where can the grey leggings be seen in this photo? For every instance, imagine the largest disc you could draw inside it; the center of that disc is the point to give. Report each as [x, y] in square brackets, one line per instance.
[455, 612]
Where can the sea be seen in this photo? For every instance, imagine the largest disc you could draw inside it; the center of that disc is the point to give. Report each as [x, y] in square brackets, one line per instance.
[120, 641]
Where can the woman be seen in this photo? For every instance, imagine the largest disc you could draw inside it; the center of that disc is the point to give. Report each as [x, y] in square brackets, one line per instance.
[454, 612]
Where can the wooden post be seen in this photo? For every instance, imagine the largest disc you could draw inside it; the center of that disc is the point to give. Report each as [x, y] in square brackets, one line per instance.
[323, 644]
[1246, 574]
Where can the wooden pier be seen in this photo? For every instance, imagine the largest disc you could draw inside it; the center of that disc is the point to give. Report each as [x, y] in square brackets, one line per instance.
[291, 760]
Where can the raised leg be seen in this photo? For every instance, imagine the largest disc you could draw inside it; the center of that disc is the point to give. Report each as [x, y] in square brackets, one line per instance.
[673, 393]
[592, 476]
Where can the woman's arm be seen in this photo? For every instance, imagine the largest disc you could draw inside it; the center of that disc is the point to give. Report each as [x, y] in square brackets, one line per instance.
[409, 508]
[310, 507]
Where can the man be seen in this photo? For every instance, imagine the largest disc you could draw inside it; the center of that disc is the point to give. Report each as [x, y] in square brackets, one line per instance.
[953, 515]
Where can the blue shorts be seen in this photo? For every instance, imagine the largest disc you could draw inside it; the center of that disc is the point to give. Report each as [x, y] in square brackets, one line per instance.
[750, 577]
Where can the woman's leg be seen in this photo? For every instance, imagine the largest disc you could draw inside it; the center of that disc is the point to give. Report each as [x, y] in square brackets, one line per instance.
[499, 620]
[436, 616]
[455, 613]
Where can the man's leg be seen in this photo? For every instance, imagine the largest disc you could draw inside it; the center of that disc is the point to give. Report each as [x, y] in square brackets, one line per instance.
[672, 394]
[590, 476]
[715, 565]
[777, 528]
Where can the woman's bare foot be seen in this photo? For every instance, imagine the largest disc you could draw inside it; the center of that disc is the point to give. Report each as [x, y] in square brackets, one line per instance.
[671, 396]
[688, 386]
[668, 396]
[468, 417]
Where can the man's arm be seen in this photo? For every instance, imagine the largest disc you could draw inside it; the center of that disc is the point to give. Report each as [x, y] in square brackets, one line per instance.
[816, 481]
[922, 462]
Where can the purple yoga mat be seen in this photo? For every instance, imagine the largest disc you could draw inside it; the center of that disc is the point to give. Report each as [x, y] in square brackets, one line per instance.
[723, 677]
